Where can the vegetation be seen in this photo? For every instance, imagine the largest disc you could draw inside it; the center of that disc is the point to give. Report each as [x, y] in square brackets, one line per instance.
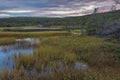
[67, 21]
[95, 24]
[34, 34]
[7, 40]
[51, 60]
[63, 55]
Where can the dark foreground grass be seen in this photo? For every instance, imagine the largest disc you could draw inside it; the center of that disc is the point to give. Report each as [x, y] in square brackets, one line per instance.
[102, 58]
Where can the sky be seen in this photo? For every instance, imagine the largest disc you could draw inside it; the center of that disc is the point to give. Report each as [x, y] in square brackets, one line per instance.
[52, 8]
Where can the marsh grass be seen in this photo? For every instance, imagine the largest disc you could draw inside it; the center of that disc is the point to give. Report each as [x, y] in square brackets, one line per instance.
[34, 34]
[7, 40]
[55, 58]
[1, 29]
[92, 50]
[45, 57]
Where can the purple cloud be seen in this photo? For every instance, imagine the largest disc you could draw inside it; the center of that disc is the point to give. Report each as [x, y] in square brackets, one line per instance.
[52, 8]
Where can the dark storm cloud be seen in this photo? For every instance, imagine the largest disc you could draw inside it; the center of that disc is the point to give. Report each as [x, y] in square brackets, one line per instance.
[51, 8]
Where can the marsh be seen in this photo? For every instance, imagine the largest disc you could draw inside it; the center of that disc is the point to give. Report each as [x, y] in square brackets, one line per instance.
[21, 46]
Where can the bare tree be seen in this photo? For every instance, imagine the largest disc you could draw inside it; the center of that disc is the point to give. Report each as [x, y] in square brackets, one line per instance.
[113, 8]
[95, 10]
[117, 2]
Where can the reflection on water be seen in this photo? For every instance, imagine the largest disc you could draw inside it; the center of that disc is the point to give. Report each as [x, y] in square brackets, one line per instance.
[79, 65]
[51, 69]
[22, 46]
[27, 46]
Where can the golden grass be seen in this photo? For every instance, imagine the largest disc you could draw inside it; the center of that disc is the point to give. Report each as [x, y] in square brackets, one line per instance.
[7, 40]
[33, 34]
[100, 55]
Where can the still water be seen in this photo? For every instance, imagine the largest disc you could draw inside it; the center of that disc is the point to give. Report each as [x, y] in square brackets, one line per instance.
[25, 46]
[22, 46]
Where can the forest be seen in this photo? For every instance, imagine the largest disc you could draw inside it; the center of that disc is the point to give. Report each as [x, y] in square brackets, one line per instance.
[94, 24]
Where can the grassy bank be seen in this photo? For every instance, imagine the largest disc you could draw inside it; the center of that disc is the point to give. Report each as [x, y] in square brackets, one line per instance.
[34, 34]
[7, 40]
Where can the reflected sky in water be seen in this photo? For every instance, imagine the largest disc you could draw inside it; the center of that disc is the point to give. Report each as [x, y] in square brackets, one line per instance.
[7, 52]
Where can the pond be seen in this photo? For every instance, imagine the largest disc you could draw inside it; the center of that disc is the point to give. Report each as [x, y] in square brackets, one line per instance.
[26, 46]
[22, 46]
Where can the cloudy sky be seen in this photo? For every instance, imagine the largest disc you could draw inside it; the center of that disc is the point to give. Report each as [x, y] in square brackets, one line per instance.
[52, 8]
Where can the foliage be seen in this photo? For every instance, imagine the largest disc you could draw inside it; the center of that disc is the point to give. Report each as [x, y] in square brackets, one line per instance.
[7, 40]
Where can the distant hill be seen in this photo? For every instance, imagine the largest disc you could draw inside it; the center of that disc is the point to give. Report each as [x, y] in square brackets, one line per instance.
[67, 21]
[100, 23]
